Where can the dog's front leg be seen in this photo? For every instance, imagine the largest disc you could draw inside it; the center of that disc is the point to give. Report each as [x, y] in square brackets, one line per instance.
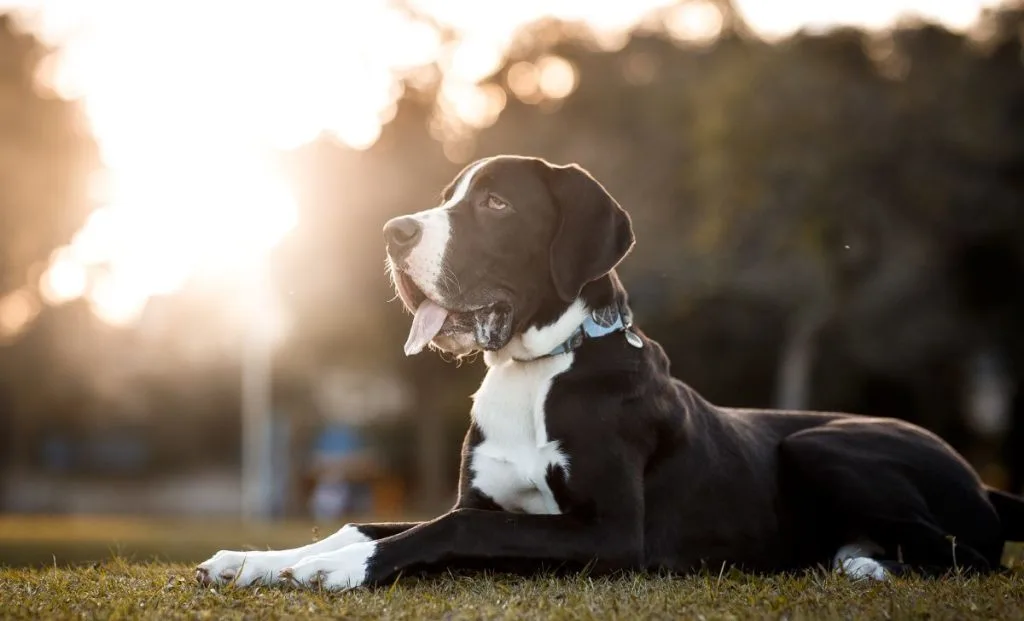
[468, 535]
[244, 568]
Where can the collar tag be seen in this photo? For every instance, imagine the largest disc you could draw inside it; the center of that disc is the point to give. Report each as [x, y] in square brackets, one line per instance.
[600, 322]
[603, 321]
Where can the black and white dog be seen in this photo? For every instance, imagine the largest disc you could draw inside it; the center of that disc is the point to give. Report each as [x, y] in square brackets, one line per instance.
[584, 450]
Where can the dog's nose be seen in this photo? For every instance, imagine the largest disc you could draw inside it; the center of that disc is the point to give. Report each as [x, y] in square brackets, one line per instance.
[401, 234]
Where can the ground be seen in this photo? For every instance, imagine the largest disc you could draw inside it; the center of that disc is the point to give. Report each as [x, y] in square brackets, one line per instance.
[123, 584]
[119, 589]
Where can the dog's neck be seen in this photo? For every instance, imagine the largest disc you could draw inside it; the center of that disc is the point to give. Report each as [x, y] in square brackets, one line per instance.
[556, 337]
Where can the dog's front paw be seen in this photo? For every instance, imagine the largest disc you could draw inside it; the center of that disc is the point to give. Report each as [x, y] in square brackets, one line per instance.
[342, 569]
[862, 567]
[241, 568]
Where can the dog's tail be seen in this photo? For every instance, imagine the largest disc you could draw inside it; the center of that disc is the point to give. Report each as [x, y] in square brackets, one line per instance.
[1011, 513]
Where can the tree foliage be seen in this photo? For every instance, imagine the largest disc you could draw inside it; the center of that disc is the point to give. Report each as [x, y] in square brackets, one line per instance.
[866, 189]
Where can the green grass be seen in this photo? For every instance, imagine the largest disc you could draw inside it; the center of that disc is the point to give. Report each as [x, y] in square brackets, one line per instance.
[125, 585]
[118, 588]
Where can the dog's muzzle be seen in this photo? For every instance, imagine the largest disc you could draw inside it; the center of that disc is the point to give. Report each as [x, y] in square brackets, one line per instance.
[457, 326]
[489, 327]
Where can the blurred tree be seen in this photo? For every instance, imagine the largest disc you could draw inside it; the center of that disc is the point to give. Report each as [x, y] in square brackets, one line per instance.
[831, 221]
[854, 181]
[46, 158]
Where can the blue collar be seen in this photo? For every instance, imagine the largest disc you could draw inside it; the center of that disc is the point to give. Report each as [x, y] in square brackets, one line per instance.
[600, 322]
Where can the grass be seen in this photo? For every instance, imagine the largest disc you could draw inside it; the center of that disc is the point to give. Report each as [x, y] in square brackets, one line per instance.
[118, 589]
[121, 586]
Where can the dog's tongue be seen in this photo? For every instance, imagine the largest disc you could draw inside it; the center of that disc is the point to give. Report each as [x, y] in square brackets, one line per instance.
[425, 326]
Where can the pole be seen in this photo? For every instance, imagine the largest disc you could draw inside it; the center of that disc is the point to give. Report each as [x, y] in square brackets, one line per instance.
[257, 474]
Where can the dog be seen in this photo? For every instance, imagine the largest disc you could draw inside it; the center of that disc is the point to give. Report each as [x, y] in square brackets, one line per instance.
[584, 451]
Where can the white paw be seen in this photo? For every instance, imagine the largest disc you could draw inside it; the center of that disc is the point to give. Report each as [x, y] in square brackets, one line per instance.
[341, 569]
[861, 567]
[348, 535]
[243, 568]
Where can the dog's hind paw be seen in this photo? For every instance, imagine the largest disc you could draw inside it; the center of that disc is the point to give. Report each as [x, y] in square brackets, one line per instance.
[862, 567]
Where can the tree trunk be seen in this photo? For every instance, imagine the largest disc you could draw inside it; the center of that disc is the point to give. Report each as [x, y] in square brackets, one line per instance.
[796, 362]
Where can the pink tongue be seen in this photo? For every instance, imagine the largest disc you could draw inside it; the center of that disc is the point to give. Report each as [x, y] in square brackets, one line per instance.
[425, 326]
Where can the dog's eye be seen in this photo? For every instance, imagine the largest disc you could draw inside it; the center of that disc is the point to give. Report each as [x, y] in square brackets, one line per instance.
[495, 203]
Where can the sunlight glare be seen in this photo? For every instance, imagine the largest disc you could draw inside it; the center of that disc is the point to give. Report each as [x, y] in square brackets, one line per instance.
[17, 309]
[64, 280]
[186, 100]
[697, 22]
[150, 240]
[556, 77]
[115, 301]
[477, 106]
[524, 81]
[473, 60]
[781, 18]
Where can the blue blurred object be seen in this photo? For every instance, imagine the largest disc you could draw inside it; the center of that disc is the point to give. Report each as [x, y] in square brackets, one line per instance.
[333, 494]
[337, 440]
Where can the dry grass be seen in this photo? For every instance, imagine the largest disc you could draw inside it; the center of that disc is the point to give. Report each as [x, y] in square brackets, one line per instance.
[119, 587]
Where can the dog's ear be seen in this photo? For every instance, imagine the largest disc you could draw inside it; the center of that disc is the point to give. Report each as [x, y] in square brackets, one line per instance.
[594, 233]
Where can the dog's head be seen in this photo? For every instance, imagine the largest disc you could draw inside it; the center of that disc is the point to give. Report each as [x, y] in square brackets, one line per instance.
[511, 246]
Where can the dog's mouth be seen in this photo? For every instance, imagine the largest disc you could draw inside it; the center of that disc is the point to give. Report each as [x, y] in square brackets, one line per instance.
[432, 319]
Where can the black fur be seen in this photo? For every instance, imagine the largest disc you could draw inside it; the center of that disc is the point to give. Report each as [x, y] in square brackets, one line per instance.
[660, 478]
[585, 206]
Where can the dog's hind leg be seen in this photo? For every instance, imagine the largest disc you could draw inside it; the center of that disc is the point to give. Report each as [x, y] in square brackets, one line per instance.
[896, 486]
[934, 554]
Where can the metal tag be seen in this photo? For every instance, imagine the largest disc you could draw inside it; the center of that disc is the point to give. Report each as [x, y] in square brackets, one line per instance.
[634, 340]
[604, 317]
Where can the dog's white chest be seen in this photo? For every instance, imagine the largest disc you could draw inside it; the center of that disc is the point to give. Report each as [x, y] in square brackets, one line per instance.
[511, 464]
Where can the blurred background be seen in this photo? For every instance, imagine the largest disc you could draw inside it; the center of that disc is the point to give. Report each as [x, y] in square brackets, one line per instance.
[197, 348]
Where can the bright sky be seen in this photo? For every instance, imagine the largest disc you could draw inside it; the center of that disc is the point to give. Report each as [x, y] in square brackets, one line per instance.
[188, 99]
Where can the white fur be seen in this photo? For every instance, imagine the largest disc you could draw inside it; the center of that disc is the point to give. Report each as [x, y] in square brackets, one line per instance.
[246, 568]
[425, 262]
[854, 560]
[536, 342]
[339, 569]
[510, 465]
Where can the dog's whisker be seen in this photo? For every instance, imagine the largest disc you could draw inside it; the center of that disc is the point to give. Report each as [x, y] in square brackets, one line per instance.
[451, 281]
